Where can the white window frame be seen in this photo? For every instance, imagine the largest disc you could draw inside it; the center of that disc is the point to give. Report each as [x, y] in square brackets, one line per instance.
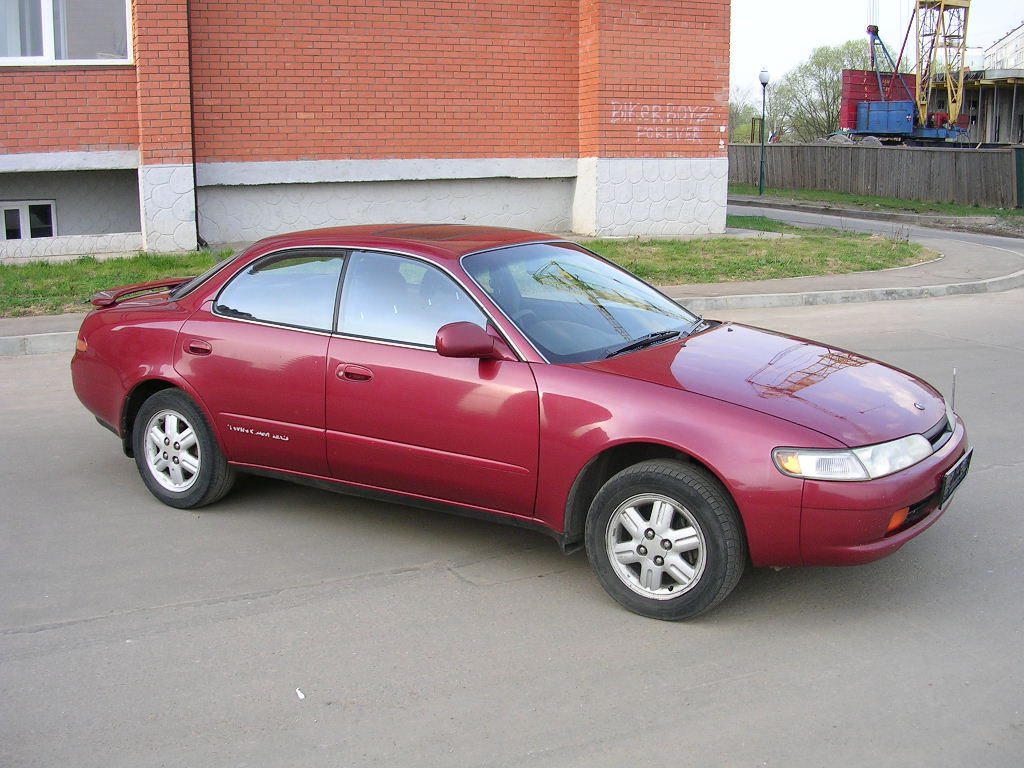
[23, 218]
[49, 48]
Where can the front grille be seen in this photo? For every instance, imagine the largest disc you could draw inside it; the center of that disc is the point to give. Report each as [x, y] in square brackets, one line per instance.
[939, 435]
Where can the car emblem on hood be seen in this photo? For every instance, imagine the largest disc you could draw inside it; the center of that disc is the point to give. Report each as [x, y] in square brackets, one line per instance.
[919, 406]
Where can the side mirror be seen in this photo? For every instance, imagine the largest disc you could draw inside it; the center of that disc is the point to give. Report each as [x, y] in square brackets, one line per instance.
[464, 339]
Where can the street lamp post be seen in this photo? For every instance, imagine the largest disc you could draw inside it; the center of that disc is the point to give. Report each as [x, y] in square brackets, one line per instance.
[763, 77]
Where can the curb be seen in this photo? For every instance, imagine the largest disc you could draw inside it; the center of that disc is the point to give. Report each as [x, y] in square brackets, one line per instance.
[849, 296]
[38, 343]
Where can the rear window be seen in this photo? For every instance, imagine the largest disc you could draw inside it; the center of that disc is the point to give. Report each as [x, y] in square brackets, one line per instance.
[297, 288]
[186, 288]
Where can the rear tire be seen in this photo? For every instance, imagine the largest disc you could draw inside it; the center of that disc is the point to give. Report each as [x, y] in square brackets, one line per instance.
[665, 540]
[177, 454]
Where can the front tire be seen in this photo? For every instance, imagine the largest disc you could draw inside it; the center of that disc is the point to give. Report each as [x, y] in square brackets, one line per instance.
[665, 540]
[177, 454]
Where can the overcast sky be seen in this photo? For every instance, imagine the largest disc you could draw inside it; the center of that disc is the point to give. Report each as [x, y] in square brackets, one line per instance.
[780, 34]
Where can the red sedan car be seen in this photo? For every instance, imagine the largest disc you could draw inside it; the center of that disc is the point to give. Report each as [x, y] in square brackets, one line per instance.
[514, 375]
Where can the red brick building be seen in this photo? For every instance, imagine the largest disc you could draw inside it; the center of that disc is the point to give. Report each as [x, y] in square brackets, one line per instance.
[159, 122]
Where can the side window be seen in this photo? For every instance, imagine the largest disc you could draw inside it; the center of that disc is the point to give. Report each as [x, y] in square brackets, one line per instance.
[295, 289]
[398, 299]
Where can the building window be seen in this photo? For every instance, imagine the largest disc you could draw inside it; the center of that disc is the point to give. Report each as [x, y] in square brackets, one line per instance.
[34, 32]
[29, 218]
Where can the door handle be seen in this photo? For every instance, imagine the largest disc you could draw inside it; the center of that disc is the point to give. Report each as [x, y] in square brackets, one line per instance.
[353, 372]
[198, 347]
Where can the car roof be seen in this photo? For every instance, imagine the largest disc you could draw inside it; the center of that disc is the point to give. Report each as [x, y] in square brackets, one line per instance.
[439, 241]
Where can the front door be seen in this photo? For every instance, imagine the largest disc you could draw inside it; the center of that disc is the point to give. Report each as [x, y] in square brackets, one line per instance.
[402, 418]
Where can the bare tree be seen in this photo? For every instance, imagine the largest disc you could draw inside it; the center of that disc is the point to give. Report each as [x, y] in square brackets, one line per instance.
[742, 110]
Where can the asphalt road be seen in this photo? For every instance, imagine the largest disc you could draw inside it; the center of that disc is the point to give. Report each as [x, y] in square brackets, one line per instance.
[132, 634]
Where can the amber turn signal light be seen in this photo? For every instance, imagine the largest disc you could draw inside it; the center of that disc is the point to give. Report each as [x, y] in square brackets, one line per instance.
[899, 517]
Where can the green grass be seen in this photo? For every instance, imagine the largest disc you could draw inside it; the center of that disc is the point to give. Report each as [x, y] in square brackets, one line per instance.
[761, 223]
[51, 288]
[722, 259]
[42, 288]
[869, 202]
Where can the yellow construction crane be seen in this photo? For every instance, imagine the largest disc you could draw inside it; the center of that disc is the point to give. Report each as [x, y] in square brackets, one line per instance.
[941, 44]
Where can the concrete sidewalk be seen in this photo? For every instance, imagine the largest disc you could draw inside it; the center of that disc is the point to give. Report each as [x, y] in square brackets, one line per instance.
[963, 267]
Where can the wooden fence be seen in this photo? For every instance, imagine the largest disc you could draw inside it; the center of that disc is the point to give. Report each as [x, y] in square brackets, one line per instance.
[985, 177]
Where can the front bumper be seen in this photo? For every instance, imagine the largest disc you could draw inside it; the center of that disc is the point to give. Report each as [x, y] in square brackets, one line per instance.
[848, 523]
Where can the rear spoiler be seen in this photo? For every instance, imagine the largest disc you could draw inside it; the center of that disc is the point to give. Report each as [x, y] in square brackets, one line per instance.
[110, 297]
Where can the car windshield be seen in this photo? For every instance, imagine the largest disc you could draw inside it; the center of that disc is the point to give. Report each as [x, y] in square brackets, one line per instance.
[575, 306]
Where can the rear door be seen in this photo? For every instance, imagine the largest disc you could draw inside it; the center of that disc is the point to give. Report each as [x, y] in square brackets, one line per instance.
[256, 355]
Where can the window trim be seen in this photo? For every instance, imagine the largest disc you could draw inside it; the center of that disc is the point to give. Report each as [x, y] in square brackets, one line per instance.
[427, 264]
[342, 253]
[346, 249]
[23, 216]
[48, 59]
[461, 283]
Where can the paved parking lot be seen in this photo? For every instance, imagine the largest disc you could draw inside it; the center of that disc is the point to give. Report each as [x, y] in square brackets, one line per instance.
[292, 627]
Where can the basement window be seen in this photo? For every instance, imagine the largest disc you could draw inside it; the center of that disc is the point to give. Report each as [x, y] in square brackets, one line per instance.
[29, 219]
[34, 32]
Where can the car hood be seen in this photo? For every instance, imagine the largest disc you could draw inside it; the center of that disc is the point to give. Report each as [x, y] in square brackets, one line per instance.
[851, 398]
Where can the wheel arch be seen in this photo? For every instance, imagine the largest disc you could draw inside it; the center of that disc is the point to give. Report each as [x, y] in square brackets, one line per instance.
[140, 393]
[608, 463]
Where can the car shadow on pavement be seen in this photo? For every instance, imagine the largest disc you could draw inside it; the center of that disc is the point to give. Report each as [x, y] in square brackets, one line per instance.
[486, 554]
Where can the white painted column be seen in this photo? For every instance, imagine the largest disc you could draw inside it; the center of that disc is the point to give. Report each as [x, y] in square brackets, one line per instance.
[168, 206]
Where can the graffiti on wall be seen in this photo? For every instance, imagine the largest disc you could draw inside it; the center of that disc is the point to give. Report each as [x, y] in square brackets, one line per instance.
[662, 122]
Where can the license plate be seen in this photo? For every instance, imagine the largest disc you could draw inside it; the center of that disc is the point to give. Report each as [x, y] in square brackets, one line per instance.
[952, 479]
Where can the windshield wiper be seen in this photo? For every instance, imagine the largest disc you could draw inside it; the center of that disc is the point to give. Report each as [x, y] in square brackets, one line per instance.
[697, 326]
[644, 341]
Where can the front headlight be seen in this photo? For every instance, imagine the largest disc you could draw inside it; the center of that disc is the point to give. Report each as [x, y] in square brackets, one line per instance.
[865, 463]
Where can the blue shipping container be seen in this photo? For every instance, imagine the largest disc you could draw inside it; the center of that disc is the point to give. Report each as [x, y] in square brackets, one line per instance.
[885, 118]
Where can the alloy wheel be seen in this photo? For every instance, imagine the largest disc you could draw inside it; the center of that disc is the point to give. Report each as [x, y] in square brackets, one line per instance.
[172, 451]
[655, 546]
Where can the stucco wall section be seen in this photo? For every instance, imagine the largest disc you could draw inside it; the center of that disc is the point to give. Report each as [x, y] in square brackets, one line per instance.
[247, 213]
[623, 196]
[389, 169]
[65, 248]
[39, 162]
[87, 202]
[167, 194]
